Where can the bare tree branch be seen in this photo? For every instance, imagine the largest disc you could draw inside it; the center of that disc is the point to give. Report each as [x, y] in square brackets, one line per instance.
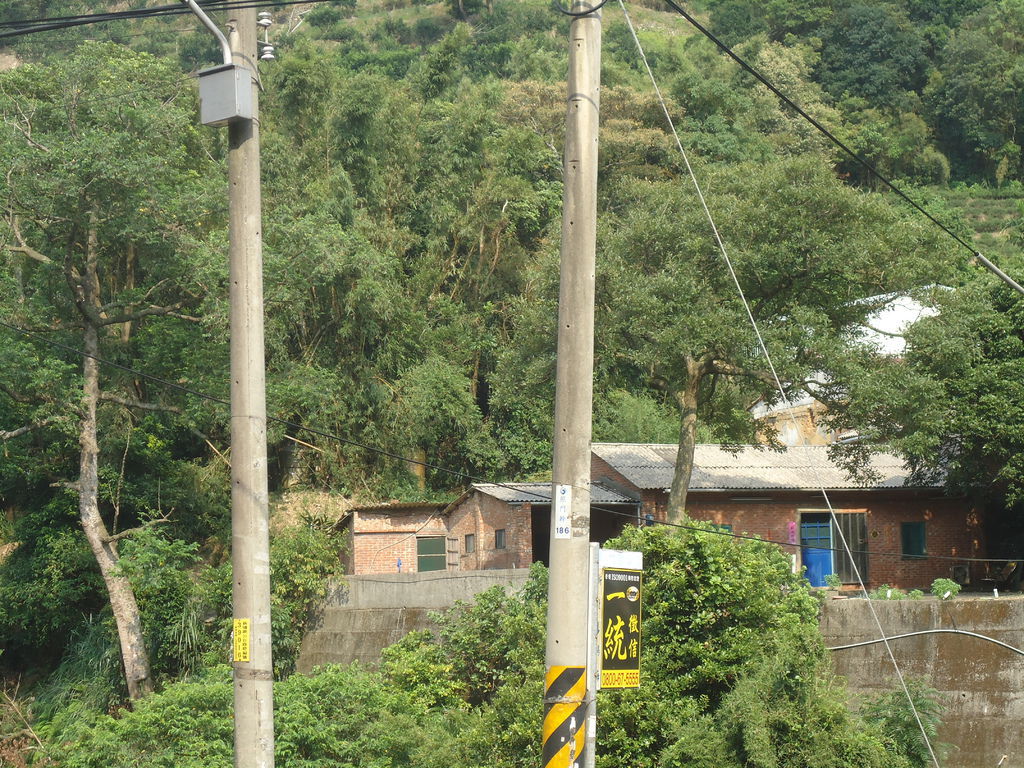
[728, 369]
[17, 397]
[131, 531]
[129, 403]
[10, 435]
[153, 311]
[22, 246]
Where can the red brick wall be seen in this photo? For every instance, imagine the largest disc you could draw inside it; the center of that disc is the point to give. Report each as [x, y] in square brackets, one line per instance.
[482, 515]
[952, 528]
[381, 538]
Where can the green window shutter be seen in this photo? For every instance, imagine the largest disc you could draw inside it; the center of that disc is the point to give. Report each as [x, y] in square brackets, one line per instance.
[431, 554]
[913, 539]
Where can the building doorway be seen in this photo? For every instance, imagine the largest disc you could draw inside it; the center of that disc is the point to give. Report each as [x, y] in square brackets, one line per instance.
[821, 546]
[816, 547]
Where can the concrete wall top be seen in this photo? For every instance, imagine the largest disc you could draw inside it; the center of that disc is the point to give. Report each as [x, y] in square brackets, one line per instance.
[434, 589]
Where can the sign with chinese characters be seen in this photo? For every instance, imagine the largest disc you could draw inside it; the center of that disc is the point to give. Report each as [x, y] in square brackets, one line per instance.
[242, 640]
[620, 627]
[563, 511]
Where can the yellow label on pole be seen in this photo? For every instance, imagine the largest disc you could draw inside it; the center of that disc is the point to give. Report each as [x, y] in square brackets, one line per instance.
[243, 633]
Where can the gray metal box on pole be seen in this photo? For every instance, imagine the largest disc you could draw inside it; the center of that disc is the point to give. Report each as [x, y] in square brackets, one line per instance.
[225, 95]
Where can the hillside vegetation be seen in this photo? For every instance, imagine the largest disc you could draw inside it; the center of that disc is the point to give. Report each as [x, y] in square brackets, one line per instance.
[412, 198]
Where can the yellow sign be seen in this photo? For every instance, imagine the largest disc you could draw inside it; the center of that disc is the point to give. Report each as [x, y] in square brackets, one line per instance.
[620, 627]
[242, 642]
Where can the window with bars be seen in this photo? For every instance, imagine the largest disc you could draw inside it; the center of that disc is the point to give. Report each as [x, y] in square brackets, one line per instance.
[499, 538]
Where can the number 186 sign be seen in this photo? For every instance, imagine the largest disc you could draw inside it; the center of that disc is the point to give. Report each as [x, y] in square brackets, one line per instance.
[620, 627]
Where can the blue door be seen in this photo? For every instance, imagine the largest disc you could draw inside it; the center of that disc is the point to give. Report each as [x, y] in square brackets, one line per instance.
[816, 548]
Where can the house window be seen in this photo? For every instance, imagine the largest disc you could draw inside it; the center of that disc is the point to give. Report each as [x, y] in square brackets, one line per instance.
[499, 538]
[854, 527]
[912, 536]
[724, 527]
[431, 554]
[470, 543]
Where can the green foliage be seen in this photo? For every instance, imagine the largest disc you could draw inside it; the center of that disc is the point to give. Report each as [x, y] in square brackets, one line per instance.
[301, 560]
[973, 88]
[188, 725]
[494, 640]
[735, 674]
[833, 580]
[894, 716]
[48, 583]
[872, 51]
[88, 681]
[887, 592]
[952, 404]
[945, 589]
[419, 666]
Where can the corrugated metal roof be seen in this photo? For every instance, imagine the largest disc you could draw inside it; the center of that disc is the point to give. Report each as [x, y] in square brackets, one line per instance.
[650, 466]
[540, 493]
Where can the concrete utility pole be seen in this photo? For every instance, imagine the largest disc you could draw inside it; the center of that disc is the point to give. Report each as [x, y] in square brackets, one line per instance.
[567, 695]
[250, 537]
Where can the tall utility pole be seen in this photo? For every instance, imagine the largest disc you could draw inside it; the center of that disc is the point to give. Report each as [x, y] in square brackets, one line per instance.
[567, 695]
[250, 530]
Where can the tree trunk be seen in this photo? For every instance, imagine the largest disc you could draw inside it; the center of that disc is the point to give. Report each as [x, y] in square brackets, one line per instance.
[417, 467]
[119, 589]
[686, 398]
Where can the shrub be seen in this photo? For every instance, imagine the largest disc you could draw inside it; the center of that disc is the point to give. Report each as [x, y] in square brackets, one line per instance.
[945, 589]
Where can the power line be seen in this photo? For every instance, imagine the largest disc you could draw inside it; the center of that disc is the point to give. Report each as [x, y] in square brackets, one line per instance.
[452, 472]
[19, 28]
[975, 253]
[778, 383]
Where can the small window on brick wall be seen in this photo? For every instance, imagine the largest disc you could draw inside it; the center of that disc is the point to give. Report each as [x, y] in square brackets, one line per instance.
[470, 545]
[913, 540]
[499, 538]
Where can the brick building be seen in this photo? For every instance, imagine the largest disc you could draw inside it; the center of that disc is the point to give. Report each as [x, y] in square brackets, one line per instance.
[489, 526]
[891, 526]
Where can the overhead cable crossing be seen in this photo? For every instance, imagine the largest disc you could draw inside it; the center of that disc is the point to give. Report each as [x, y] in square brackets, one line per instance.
[747, 67]
[541, 497]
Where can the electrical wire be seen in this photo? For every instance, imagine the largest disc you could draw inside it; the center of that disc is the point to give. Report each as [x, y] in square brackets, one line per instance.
[781, 389]
[19, 28]
[975, 253]
[578, 14]
[541, 497]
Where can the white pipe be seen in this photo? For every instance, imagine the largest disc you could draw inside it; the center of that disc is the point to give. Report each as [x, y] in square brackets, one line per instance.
[930, 632]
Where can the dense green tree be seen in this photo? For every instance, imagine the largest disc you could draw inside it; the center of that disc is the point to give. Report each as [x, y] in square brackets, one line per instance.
[808, 252]
[104, 201]
[873, 51]
[973, 97]
[952, 403]
[735, 674]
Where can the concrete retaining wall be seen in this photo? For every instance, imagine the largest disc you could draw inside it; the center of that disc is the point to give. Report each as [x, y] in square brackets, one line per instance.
[361, 615]
[982, 684]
